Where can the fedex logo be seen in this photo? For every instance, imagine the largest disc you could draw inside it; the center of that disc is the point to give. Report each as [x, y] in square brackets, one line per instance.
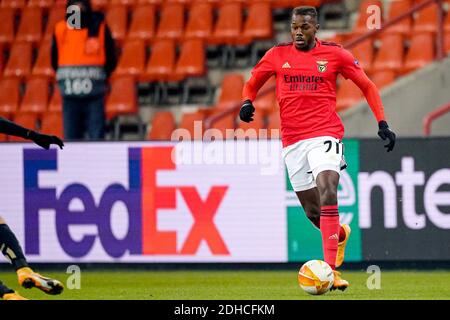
[143, 198]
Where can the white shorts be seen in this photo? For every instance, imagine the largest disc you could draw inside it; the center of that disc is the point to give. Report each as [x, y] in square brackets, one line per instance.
[305, 159]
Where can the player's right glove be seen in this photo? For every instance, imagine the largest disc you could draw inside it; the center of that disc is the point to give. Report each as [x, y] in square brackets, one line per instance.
[247, 111]
[385, 133]
[44, 140]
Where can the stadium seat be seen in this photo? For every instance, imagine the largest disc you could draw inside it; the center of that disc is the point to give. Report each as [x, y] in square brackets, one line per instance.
[273, 123]
[383, 78]
[426, 20]
[19, 62]
[45, 4]
[447, 21]
[229, 24]
[347, 95]
[162, 126]
[294, 3]
[55, 104]
[420, 53]
[9, 95]
[30, 27]
[258, 25]
[52, 123]
[99, 4]
[56, 14]
[397, 8]
[191, 62]
[42, 66]
[14, 4]
[161, 62]
[222, 124]
[127, 3]
[154, 2]
[364, 16]
[116, 17]
[132, 59]
[200, 22]
[231, 90]
[123, 98]
[7, 26]
[143, 23]
[447, 42]
[390, 54]
[35, 99]
[24, 119]
[265, 103]
[364, 53]
[252, 129]
[171, 23]
[188, 121]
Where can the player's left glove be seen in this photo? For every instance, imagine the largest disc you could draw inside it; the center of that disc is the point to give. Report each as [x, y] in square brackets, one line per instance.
[385, 133]
[44, 140]
[247, 111]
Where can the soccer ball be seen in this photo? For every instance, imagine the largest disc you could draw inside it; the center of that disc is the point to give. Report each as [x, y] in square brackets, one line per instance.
[315, 277]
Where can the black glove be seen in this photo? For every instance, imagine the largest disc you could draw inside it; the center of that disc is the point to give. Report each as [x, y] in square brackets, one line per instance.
[247, 111]
[44, 140]
[385, 133]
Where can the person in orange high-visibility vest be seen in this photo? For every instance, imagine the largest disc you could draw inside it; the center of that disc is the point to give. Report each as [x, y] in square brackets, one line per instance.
[83, 56]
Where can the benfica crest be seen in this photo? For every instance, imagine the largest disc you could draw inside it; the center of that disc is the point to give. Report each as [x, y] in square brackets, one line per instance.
[322, 65]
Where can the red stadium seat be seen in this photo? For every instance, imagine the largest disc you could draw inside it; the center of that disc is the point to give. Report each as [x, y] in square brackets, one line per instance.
[190, 121]
[128, 3]
[420, 53]
[123, 98]
[426, 20]
[258, 25]
[229, 24]
[43, 66]
[27, 120]
[161, 62]
[252, 129]
[30, 27]
[266, 103]
[199, 25]
[116, 18]
[52, 123]
[223, 124]
[162, 126]
[9, 96]
[447, 42]
[348, 94]
[15, 4]
[7, 26]
[364, 16]
[364, 53]
[132, 60]
[99, 4]
[390, 54]
[19, 62]
[35, 99]
[143, 23]
[397, 8]
[55, 104]
[56, 14]
[40, 3]
[231, 90]
[171, 24]
[191, 62]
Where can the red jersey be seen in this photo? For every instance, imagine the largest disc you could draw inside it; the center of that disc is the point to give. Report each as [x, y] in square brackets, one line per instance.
[306, 88]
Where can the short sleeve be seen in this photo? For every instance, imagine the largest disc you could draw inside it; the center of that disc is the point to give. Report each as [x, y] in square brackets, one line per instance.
[265, 66]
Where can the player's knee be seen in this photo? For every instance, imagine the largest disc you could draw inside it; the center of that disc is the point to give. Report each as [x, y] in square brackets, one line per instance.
[328, 197]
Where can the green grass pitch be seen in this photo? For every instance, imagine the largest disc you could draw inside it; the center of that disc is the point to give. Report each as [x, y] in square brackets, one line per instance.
[243, 285]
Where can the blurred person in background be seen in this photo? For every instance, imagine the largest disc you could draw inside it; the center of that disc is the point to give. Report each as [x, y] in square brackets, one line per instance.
[83, 57]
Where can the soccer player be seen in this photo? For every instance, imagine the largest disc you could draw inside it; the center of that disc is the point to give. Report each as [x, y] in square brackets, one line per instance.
[311, 130]
[9, 245]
